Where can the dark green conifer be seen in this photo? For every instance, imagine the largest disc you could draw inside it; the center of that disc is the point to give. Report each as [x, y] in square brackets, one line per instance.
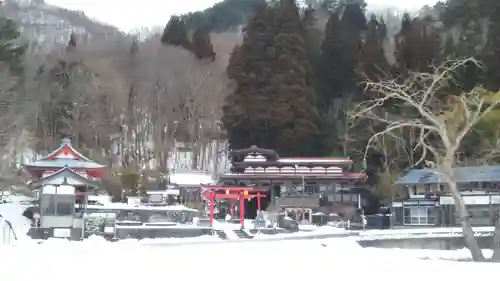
[201, 45]
[175, 33]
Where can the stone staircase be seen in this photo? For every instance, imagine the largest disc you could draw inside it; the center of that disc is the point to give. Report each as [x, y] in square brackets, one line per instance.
[242, 234]
[222, 235]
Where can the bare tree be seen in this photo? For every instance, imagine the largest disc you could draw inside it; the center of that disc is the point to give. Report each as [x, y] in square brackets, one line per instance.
[441, 126]
[12, 134]
[183, 96]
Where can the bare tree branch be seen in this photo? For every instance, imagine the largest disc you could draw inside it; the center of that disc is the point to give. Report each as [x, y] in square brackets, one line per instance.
[441, 126]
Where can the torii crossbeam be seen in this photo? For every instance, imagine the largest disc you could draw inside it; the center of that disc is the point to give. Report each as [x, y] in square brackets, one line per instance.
[234, 193]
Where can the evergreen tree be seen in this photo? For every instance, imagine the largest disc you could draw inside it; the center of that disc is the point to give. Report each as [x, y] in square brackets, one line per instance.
[295, 102]
[201, 45]
[330, 62]
[274, 104]
[491, 54]
[339, 61]
[224, 15]
[247, 110]
[175, 33]
[72, 42]
[418, 45]
[374, 64]
[353, 15]
[11, 51]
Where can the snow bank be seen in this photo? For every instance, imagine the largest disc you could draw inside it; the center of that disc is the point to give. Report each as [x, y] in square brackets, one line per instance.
[13, 212]
[443, 255]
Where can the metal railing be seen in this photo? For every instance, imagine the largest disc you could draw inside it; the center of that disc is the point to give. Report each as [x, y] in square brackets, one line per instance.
[7, 233]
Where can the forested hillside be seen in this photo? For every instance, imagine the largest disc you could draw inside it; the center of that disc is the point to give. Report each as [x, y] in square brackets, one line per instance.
[47, 27]
[295, 90]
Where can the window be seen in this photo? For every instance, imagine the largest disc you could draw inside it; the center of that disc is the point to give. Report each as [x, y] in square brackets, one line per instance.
[155, 198]
[57, 205]
[415, 215]
[48, 204]
[65, 205]
[480, 216]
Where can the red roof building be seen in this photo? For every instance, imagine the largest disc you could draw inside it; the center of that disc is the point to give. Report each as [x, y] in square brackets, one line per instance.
[66, 156]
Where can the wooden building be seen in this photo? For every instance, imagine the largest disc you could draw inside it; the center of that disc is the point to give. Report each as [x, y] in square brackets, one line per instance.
[63, 178]
[428, 201]
[66, 165]
[305, 185]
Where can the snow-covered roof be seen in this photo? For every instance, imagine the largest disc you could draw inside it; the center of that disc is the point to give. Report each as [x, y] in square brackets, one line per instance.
[124, 206]
[71, 163]
[486, 173]
[300, 160]
[65, 156]
[65, 176]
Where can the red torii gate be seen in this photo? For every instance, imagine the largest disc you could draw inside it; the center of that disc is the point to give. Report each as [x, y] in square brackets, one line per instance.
[234, 193]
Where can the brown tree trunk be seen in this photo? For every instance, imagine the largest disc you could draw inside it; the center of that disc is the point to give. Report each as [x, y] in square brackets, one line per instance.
[496, 238]
[468, 232]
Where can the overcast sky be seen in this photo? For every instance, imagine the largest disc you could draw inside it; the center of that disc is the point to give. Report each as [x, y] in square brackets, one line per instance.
[132, 14]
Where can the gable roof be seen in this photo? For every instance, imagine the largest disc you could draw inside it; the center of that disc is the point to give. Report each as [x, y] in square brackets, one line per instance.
[64, 156]
[486, 173]
[240, 154]
[66, 151]
[65, 176]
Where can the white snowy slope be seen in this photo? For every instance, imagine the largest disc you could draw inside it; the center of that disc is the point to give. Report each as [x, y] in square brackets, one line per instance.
[12, 212]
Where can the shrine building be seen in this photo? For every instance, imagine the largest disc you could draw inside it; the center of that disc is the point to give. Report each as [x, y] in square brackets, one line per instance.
[305, 185]
[61, 179]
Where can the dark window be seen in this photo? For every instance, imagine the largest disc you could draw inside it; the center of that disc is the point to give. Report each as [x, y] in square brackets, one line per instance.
[407, 216]
[48, 204]
[422, 215]
[427, 189]
[306, 216]
[414, 190]
[65, 205]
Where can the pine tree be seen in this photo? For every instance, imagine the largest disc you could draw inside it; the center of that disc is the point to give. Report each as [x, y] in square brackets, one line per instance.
[374, 64]
[295, 102]
[274, 104]
[491, 54]
[247, 110]
[418, 45]
[353, 15]
[341, 48]
[11, 52]
[330, 61]
[201, 45]
[72, 42]
[175, 33]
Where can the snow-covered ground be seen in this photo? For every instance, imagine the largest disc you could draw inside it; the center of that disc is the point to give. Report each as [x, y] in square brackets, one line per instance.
[202, 258]
[289, 260]
[12, 212]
